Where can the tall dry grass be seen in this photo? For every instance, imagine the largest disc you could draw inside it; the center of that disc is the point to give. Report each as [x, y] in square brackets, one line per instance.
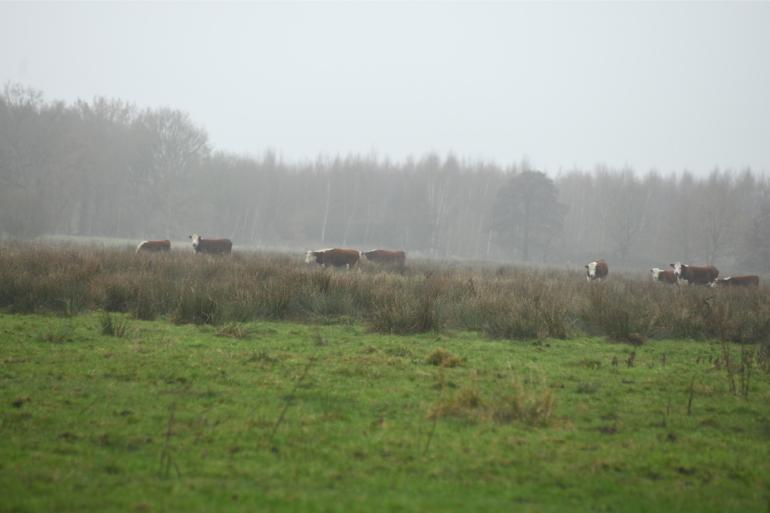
[502, 302]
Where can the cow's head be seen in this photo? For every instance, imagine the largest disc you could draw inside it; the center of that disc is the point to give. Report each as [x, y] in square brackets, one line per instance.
[311, 257]
[196, 240]
[591, 270]
[655, 273]
[679, 267]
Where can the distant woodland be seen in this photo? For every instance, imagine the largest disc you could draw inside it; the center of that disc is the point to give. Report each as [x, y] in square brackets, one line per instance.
[106, 168]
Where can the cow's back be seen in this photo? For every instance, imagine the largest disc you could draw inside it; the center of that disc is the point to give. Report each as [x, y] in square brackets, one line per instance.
[215, 246]
[338, 257]
[738, 281]
[698, 275]
[154, 246]
[383, 256]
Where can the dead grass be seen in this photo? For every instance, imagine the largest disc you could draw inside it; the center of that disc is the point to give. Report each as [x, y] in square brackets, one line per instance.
[443, 358]
[504, 302]
[531, 405]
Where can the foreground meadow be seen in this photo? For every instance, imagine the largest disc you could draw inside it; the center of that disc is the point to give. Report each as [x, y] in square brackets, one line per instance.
[105, 412]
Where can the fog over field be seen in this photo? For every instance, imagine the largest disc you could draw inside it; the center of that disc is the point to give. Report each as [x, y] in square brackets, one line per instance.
[420, 126]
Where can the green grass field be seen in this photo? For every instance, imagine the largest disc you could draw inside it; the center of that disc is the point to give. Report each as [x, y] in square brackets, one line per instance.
[288, 417]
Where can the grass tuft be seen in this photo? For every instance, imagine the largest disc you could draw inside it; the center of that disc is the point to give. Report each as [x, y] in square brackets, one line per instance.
[443, 358]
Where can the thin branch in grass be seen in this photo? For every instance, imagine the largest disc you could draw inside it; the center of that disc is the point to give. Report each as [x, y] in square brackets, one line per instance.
[88, 406]
[729, 367]
[747, 363]
[442, 387]
[166, 458]
[690, 397]
[287, 403]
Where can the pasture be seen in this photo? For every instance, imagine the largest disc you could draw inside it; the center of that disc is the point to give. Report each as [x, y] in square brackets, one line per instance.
[286, 417]
[253, 382]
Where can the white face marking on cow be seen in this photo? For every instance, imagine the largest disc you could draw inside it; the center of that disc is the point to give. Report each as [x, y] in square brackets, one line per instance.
[309, 257]
[655, 273]
[677, 269]
[591, 273]
[196, 240]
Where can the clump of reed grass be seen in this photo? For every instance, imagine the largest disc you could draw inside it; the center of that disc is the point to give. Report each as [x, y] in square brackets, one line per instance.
[530, 405]
[112, 325]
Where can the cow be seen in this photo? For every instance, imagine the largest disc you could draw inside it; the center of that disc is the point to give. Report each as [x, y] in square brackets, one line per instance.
[383, 256]
[695, 275]
[597, 270]
[335, 257]
[663, 275]
[154, 246]
[750, 280]
[211, 246]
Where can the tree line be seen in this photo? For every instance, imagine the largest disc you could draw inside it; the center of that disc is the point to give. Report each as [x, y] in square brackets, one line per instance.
[107, 168]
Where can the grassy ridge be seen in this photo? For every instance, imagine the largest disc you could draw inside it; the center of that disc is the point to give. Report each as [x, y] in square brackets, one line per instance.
[115, 414]
[501, 302]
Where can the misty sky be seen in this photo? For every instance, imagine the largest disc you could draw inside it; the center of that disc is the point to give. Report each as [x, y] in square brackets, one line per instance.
[664, 85]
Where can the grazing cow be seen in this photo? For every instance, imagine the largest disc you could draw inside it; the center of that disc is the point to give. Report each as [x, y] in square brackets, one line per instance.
[750, 280]
[335, 257]
[597, 270]
[211, 246]
[383, 256]
[695, 275]
[154, 246]
[663, 275]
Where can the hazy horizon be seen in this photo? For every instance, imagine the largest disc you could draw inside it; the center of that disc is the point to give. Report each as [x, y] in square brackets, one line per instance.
[647, 85]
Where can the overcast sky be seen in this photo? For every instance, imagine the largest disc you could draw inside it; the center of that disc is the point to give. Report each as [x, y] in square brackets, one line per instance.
[664, 85]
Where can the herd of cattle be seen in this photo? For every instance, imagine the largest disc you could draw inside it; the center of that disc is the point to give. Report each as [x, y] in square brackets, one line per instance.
[681, 273]
[334, 257]
[199, 244]
[339, 257]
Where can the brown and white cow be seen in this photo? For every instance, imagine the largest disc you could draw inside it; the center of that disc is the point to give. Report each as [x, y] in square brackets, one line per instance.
[211, 246]
[335, 257]
[384, 256]
[695, 275]
[154, 246]
[750, 280]
[663, 275]
[597, 270]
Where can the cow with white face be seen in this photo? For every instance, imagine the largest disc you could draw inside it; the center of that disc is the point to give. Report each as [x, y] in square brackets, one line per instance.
[695, 275]
[597, 270]
[335, 257]
[662, 275]
[211, 246]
